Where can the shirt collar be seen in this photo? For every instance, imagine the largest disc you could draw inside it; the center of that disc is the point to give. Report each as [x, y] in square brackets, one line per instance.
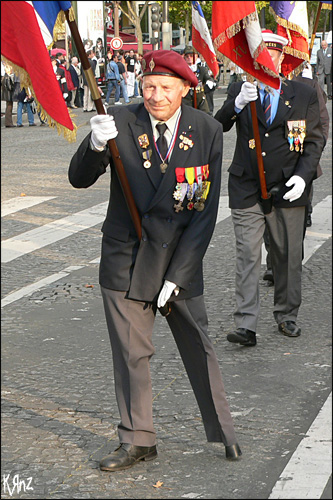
[171, 123]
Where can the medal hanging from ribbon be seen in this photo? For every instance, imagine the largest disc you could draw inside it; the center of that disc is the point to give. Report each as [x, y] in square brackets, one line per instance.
[164, 164]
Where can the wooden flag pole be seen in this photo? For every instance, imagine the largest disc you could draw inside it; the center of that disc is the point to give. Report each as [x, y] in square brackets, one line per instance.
[266, 198]
[315, 29]
[101, 111]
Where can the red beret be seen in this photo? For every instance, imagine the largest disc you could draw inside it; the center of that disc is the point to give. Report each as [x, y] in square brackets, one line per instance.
[168, 63]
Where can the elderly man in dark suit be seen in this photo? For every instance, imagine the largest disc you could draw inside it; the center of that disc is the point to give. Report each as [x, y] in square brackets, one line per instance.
[324, 67]
[292, 142]
[172, 155]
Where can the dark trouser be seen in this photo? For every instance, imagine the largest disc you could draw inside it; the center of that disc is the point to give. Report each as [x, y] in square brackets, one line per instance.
[9, 114]
[286, 246]
[130, 324]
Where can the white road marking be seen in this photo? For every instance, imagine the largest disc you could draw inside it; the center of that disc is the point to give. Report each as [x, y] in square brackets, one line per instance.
[35, 239]
[310, 466]
[224, 211]
[320, 231]
[22, 202]
[30, 289]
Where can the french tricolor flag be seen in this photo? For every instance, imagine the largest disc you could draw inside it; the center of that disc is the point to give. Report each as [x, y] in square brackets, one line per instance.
[201, 39]
[27, 29]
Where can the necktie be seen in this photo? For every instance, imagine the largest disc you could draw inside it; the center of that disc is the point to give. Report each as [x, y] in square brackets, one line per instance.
[266, 104]
[161, 141]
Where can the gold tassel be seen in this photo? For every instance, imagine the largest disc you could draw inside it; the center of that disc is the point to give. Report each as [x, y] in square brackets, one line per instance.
[25, 82]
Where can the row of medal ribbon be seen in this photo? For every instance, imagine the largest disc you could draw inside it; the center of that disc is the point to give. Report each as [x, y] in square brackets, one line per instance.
[195, 193]
[296, 135]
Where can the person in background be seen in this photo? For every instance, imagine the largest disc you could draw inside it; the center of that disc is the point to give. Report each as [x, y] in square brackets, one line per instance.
[112, 78]
[7, 92]
[159, 141]
[201, 72]
[123, 79]
[292, 143]
[88, 103]
[73, 69]
[25, 97]
[132, 84]
[324, 67]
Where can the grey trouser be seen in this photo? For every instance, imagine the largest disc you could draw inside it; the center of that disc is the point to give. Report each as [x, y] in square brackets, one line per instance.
[286, 226]
[130, 324]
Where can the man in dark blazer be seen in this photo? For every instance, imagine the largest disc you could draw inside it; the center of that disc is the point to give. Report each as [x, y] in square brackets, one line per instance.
[172, 156]
[292, 142]
[324, 67]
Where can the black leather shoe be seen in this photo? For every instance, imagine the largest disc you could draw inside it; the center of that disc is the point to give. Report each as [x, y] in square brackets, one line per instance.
[290, 329]
[126, 455]
[268, 275]
[242, 336]
[233, 452]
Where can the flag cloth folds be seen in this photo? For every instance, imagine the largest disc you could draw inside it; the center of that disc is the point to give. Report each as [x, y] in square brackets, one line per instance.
[237, 35]
[201, 39]
[24, 49]
[292, 24]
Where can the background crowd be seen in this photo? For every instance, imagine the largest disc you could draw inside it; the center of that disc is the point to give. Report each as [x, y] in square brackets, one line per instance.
[119, 78]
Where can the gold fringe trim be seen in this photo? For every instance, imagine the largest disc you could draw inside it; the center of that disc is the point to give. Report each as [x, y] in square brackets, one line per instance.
[326, 6]
[234, 29]
[59, 26]
[296, 53]
[286, 24]
[69, 135]
[71, 14]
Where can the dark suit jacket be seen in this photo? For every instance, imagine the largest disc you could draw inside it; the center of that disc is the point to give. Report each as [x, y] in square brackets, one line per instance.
[298, 101]
[324, 63]
[173, 244]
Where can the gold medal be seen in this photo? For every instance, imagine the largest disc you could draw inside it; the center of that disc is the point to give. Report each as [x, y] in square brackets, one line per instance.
[252, 144]
[143, 141]
[147, 164]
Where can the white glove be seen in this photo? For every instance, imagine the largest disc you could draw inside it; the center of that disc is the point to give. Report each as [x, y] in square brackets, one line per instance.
[247, 94]
[103, 128]
[297, 191]
[166, 293]
[65, 95]
[210, 84]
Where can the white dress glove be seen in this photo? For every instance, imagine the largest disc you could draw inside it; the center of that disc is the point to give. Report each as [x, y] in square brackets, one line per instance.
[247, 94]
[103, 128]
[166, 292]
[210, 84]
[297, 191]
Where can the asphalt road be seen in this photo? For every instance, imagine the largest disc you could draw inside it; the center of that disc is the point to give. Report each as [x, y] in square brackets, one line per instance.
[59, 413]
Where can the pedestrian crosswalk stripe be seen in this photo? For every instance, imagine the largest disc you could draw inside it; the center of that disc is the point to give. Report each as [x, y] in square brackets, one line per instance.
[14, 205]
[52, 232]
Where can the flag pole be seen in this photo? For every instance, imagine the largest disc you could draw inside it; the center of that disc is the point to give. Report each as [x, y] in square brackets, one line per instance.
[315, 29]
[266, 198]
[101, 111]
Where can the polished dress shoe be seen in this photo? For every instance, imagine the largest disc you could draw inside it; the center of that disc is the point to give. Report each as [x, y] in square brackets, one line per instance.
[233, 452]
[290, 329]
[126, 455]
[242, 336]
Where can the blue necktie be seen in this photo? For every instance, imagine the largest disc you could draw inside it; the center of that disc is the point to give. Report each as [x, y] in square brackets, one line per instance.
[266, 104]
